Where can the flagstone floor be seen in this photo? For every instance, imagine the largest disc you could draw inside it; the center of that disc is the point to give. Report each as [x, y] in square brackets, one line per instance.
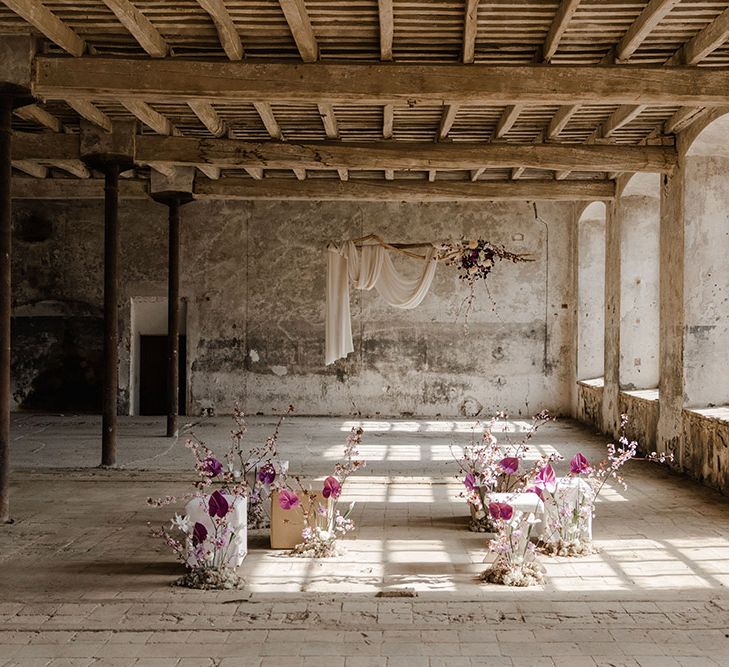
[82, 582]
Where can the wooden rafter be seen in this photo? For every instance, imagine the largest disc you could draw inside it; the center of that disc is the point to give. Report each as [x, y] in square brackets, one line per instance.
[48, 24]
[517, 172]
[649, 18]
[329, 120]
[298, 19]
[74, 167]
[621, 117]
[387, 28]
[450, 111]
[375, 155]
[169, 80]
[680, 120]
[707, 41]
[269, 120]
[300, 174]
[564, 14]
[476, 174]
[91, 113]
[388, 121]
[151, 118]
[255, 173]
[208, 117]
[507, 120]
[227, 32]
[36, 114]
[139, 26]
[31, 168]
[211, 172]
[470, 28]
[561, 119]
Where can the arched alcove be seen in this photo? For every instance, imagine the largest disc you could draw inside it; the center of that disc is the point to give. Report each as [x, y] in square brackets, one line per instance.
[591, 291]
[706, 274]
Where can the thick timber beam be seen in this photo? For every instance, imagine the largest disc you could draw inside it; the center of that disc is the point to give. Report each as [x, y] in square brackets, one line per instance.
[66, 188]
[139, 26]
[48, 24]
[227, 32]
[383, 83]
[403, 190]
[192, 151]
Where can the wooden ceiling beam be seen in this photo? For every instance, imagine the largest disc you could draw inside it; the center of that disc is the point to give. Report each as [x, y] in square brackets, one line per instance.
[327, 189]
[48, 24]
[74, 167]
[151, 118]
[318, 189]
[387, 28]
[208, 117]
[269, 120]
[561, 119]
[35, 114]
[193, 151]
[140, 27]
[176, 80]
[619, 118]
[300, 174]
[470, 29]
[254, 172]
[564, 14]
[227, 32]
[388, 121]
[649, 18]
[298, 19]
[680, 120]
[31, 168]
[211, 172]
[91, 113]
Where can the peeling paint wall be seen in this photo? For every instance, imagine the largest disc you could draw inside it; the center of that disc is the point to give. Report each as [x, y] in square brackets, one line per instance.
[253, 276]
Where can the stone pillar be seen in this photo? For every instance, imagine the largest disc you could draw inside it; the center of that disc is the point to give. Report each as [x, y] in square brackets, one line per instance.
[173, 189]
[639, 267]
[611, 392]
[16, 57]
[671, 286]
[110, 153]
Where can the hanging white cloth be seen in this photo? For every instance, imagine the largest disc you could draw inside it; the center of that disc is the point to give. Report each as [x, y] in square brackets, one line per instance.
[369, 268]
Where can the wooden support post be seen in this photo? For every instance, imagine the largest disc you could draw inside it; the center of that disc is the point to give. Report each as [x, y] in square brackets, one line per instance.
[173, 317]
[111, 326]
[5, 306]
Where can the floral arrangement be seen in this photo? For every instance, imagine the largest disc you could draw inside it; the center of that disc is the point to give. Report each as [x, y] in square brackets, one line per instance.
[324, 522]
[474, 259]
[515, 562]
[490, 466]
[570, 501]
[210, 539]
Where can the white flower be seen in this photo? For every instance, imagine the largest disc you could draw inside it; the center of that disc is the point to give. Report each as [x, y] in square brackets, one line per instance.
[181, 523]
[324, 535]
[531, 519]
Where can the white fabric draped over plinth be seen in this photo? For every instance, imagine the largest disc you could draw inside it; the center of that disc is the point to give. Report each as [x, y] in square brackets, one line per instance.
[367, 268]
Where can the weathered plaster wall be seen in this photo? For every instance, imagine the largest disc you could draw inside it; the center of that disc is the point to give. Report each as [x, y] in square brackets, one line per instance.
[639, 312]
[589, 403]
[706, 445]
[253, 276]
[641, 408]
[706, 280]
[591, 293]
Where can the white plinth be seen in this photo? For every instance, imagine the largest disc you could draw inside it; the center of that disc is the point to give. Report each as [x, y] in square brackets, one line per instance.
[527, 503]
[237, 518]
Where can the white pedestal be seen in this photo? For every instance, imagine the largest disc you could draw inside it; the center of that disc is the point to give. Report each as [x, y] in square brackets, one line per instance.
[197, 511]
[528, 503]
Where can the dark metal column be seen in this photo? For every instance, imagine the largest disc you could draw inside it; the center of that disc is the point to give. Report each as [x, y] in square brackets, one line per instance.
[5, 306]
[111, 326]
[173, 317]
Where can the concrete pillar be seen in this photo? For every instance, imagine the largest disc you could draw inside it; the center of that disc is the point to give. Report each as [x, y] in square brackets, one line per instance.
[591, 292]
[671, 286]
[639, 267]
[110, 153]
[173, 189]
[611, 392]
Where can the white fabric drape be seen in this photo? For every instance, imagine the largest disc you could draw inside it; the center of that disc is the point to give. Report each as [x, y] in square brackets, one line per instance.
[368, 268]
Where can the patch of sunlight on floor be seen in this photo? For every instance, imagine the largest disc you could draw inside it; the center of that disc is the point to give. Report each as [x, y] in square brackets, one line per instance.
[418, 551]
[431, 426]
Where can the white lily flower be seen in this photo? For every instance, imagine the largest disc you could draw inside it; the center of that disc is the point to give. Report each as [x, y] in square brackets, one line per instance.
[181, 523]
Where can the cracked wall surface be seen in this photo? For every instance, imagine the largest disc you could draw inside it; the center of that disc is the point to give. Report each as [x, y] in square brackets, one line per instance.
[253, 277]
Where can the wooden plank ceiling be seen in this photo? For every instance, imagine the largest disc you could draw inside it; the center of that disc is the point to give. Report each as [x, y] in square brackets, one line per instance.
[405, 32]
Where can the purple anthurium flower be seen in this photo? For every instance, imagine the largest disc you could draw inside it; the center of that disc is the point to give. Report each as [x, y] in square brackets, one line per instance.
[537, 490]
[546, 479]
[509, 465]
[501, 511]
[332, 488]
[579, 464]
[199, 533]
[469, 482]
[212, 466]
[218, 505]
[267, 473]
[288, 500]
